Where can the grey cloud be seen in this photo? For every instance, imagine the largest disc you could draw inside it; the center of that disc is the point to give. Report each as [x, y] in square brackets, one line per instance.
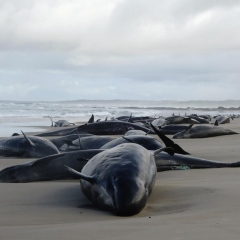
[114, 27]
[107, 48]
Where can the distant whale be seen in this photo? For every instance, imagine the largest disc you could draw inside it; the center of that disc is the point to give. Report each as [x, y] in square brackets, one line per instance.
[222, 119]
[60, 123]
[204, 131]
[179, 120]
[110, 127]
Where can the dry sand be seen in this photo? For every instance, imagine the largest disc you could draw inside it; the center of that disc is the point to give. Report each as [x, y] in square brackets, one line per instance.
[190, 204]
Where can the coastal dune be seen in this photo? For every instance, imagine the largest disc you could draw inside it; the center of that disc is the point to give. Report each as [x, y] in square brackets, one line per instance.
[185, 204]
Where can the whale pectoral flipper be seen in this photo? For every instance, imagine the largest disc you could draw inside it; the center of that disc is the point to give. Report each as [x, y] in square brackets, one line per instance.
[42, 161]
[68, 142]
[28, 140]
[168, 142]
[51, 121]
[168, 150]
[82, 159]
[130, 140]
[190, 127]
[75, 173]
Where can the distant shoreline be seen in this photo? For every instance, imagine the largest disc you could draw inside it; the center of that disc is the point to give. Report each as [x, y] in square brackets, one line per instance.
[205, 105]
[187, 108]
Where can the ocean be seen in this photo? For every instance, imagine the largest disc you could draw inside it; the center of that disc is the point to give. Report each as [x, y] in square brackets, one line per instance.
[31, 115]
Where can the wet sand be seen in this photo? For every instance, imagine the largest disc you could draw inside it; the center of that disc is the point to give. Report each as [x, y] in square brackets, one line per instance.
[185, 204]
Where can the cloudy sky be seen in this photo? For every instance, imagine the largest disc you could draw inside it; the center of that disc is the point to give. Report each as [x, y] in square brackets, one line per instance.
[119, 49]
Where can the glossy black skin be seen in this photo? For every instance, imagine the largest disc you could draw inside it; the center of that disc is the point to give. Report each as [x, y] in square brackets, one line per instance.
[18, 146]
[60, 141]
[61, 132]
[134, 132]
[110, 127]
[172, 129]
[222, 119]
[179, 120]
[204, 131]
[47, 168]
[132, 118]
[148, 142]
[166, 162]
[88, 142]
[123, 179]
[200, 119]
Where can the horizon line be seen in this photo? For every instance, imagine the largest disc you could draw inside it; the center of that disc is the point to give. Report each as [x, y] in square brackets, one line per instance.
[133, 100]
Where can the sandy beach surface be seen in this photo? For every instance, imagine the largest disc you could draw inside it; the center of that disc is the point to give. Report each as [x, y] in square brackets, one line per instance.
[185, 204]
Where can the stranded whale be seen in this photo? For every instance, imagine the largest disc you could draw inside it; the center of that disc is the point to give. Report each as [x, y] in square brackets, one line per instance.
[119, 179]
[203, 131]
[27, 146]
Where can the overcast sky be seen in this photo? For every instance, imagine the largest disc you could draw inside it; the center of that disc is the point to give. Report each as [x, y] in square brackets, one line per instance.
[119, 49]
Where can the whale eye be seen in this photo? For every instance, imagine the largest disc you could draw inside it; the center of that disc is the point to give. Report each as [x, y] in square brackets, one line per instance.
[115, 178]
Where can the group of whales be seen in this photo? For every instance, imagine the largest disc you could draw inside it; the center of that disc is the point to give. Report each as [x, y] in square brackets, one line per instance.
[116, 173]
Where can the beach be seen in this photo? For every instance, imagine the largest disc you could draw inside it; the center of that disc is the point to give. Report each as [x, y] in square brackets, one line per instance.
[185, 204]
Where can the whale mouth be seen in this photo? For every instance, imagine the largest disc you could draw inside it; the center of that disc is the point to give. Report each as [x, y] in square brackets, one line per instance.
[114, 195]
[123, 204]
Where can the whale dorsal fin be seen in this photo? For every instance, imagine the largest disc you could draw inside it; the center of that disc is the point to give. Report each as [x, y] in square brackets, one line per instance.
[130, 118]
[15, 134]
[216, 123]
[106, 118]
[91, 119]
[75, 173]
[169, 150]
[28, 140]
